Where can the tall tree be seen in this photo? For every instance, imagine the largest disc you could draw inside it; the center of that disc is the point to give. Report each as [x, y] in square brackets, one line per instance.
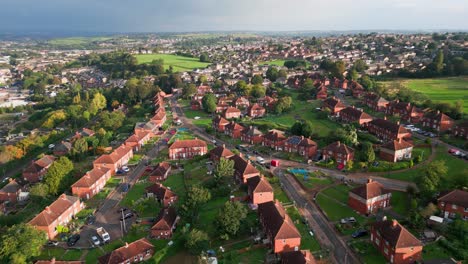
[98, 103]
[338, 69]
[196, 241]
[20, 243]
[230, 217]
[257, 79]
[56, 174]
[189, 90]
[224, 168]
[258, 91]
[368, 154]
[272, 74]
[80, 148]
[209, 103]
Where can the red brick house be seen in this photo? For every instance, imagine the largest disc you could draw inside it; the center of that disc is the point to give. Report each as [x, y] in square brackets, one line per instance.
[267, 102]
[396, 150]
[338, 152]
[221, 108]
[256, 111]
[163, 195]
[369, 198]
[114, 161]
[243, 169]
[232, 112]
[165, 223]
[398, 108]
[387, 130]
[219, 123]
[375, 102]
[414, 115]
[322, 93]
[91, 183]
[62, 149]
[274, 139]
[334, 105]
[453, 203]
[59, 213]
[233, 130]
[461, 130]
[356, 89]
[34, 172]
[187, 149]
[396, 243]
[11, 192]
[204, 89]
[297, 257]
[137, 140]
[353, 115]
[437, 121]
[278, 227]
[220, 152]
[307, 148]
[252, 135]
[241, 102]
[259, 190]
[159, 118]
[160, 173]
[137, 251]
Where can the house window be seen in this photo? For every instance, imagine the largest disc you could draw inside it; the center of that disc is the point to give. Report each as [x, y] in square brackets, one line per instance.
[385, 250]
[454, 206]
[466, 209]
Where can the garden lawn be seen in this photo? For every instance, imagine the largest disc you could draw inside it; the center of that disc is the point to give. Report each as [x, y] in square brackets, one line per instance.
[400, 203]
[136, 192]
[339, 192]
[274, 62]
[368, 253]
[454, 165]
[435, 251]
[336, 211]
[279, 194]
[253, 255]
[307, 241]
[312, 181]
[178, 63]
[447, 90]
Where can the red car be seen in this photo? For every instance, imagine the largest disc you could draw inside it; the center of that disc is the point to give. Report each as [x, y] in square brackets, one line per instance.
[452, 151]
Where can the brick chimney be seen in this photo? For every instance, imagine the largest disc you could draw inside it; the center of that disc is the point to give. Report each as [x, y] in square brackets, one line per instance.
[385, 118]
[224, 145]
[63, 196]
[47, 209]
[398, 122]
[126, 245]
[338, 143]
[394, 223]
[369, 180]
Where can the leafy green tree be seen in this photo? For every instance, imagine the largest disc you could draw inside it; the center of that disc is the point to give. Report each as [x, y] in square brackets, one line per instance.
[429, 181]
[112, 120]
[98, 103]
[196, 196]
[21, 242]
[224, 168]
[230, 217]
[204, 57]
[307, 129]
[296, 128]
[272, 74]
[209, 103]
[439, 62]
[80, 148]
[189, 90]
[368, 154]
[196, 241]
[282, 74]
[203, 79]
[308, 84]
[339, 67]
[360, 65]
[56, 174]
[258, 91]
[257, 79]
[367, 82]
[353, 74]
[283, 104]
[39, 192]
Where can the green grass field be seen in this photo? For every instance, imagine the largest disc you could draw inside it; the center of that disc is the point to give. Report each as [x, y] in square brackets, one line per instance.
[441, 89]
[178, 63]
[76, 40]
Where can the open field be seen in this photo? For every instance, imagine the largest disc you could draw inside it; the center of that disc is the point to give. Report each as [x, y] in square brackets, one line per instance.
[76, 40]
[441, 89]
[178, 63]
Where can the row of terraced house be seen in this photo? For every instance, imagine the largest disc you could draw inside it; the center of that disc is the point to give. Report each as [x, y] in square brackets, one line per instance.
[61, 211]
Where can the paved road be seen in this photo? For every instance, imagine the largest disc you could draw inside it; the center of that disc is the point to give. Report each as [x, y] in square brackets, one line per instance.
[326, 234]
[107, 215]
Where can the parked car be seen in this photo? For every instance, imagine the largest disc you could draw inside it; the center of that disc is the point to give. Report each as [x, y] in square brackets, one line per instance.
[125, 169]
[348, 220]
[102, 233]
[91, 219]
[72, 240]
[95, 240]
[52, 243]
[51, 146]
[127, 216]
[359, 233]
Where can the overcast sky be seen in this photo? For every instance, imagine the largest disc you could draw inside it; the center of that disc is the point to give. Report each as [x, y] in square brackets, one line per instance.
[208, 15]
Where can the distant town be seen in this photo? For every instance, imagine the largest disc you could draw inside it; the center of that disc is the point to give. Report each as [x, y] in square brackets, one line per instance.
[234, 148]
